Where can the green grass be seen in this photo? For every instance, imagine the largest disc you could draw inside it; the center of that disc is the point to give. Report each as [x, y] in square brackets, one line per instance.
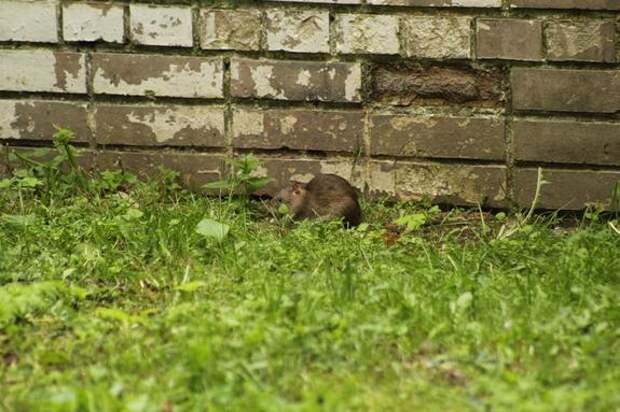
[115, 303]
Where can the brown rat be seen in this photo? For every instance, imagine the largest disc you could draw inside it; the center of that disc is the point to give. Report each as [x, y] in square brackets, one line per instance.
[326, 195]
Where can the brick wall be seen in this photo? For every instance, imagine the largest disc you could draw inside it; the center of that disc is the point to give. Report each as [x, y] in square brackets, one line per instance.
[456, 100]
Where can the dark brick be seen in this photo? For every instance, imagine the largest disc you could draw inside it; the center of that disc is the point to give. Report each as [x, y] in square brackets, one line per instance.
[36, 119]
[567, 4]
[418, 84]
[566, 189]
[595, 91]
[513, 39]
[195, 170]
[160, 125]
[437, 136]
[297, 129]
[450, 183]
[567, 142]
[591, 40]
[293, 80]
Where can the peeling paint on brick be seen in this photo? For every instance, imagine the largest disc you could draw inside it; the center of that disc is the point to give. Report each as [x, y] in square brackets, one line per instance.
[231, 29]
[28, 21]
[456, 184]
[248, 122]
[566, 189]
[93, 22]
[437, 136]
[438, 3]
[68, 67]
[160, 125]
[298, 129]
[381, 177]
[581, 40]
[298, 31]
[261, 76]
[159, 75]
[161, 25]
[280, 79]
[36, 119]
[42, 71]
[366, 34]
[437, 37]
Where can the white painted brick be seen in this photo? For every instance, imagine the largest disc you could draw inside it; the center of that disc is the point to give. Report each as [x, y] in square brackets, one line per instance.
[42, 71]
[298, 31]
[161, 26]
[28, 21]
[359, 33]
[92, 22]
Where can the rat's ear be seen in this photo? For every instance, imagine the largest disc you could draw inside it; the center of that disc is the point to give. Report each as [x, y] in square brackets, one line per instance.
[295, 185]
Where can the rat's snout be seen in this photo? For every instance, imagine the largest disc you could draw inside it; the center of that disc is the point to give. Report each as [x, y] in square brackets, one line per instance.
[281, 197]
[277, 198]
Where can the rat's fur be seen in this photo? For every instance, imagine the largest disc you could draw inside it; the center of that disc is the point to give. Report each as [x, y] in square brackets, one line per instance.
[325, 196]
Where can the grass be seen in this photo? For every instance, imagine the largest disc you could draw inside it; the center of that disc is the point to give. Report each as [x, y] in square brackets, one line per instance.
[113, 302]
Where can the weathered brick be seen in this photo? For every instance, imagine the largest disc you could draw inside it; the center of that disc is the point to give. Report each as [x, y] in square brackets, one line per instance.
[595, 91]
[367, 33]
[298, 129]
[513, 39]
[36, 119]
[567, 4]
[93, 22]
[557, 141]
[195, 169]
[436, 37]
[449, 183]
[437, 136]
[154, 75]
[160, 125]
[283, 170]
[381, 177]
[438, 3]
[298, 31]
[437, 84]
[161, 25]
[28, 21]
[322, 1]
[566, 189]
[42, 71]
[230, 29]
[581, 40]
[294, 80]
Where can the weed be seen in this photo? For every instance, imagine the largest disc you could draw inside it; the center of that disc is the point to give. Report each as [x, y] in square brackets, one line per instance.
[117, 298]
[241, 178]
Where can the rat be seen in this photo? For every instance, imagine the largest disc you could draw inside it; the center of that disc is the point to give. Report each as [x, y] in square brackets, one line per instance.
[325, 196]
